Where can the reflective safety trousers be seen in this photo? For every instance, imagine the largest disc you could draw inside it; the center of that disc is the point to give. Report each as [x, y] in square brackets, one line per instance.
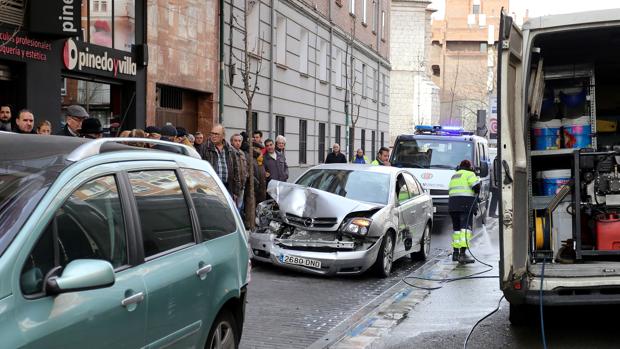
[461, 239]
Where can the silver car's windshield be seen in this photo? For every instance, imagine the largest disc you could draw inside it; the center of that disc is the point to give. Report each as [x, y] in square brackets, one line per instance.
[431, 153]
[356, 185]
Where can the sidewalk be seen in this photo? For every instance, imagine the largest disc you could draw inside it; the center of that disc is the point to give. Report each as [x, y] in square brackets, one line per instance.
[416, 318]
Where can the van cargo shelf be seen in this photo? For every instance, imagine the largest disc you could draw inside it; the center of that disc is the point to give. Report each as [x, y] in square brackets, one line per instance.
[600, 252]
[564, 151]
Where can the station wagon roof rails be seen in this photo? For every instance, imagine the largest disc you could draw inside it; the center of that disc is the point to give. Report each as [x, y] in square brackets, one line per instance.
[94, 147]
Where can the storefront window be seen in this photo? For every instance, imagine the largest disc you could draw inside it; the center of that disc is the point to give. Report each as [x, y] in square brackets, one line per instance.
[100, 30]
[95, 97]
[109, 23]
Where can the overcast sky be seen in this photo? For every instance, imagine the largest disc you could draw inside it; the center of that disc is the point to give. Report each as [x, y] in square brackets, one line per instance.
[544, 7]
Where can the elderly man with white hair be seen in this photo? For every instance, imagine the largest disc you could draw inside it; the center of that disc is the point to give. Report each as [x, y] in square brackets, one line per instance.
[336, 156]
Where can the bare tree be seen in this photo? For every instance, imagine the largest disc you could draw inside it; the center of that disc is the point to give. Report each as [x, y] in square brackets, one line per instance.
[352, 101]
[453, 88]
[249, 69]
[467, 90]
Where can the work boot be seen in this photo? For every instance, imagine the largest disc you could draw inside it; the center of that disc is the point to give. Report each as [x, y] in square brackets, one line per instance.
[464, 258]
[455, 255]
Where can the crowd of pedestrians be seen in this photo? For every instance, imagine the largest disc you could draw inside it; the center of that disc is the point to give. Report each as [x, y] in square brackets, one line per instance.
[336, 157]
[229, 160]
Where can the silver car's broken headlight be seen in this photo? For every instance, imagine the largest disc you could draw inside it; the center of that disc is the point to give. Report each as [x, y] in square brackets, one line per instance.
[357, 226]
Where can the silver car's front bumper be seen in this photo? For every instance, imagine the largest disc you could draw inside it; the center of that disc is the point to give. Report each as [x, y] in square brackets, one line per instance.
[332, 263]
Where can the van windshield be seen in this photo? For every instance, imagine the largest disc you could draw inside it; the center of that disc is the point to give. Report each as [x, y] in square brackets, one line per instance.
[431, 153]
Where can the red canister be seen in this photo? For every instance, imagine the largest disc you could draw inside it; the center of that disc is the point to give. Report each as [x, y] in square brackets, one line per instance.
[608, 231]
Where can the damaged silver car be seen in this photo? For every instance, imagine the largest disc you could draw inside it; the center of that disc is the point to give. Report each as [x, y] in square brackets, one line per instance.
[344, 219]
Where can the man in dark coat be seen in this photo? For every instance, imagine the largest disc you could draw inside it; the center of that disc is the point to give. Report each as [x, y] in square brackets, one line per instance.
[5, 118]
[25, 122]
[275, 165]
[74, 116]
[223, 159]
[336, 156]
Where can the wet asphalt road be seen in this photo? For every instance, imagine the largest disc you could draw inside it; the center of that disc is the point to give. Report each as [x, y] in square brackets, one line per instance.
[288, 309]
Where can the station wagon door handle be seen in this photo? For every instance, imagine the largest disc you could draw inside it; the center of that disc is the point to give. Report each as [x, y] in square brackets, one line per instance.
[204, 270]
[136, 298]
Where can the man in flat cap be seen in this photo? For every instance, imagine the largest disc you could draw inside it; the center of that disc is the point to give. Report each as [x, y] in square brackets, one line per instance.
[74, 116]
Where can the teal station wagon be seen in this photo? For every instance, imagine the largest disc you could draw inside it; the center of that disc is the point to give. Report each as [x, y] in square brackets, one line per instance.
[104, 245]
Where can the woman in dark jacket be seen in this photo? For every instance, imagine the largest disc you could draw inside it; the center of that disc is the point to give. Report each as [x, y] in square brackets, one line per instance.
[260, 180]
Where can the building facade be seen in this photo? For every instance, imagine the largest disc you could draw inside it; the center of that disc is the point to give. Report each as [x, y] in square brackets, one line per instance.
[183, 73]
[414, 97]
[55, 53]
[302, 53]
[463, 58]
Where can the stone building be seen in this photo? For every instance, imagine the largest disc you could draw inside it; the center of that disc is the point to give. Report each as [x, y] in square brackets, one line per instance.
[414, 97]
[183, 71]
[302, 50]
[463, 58]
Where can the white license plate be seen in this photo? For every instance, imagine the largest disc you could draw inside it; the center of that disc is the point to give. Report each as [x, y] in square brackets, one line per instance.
[306, 262]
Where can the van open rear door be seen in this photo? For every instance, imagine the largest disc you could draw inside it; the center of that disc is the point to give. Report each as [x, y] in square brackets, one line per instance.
[511, 168]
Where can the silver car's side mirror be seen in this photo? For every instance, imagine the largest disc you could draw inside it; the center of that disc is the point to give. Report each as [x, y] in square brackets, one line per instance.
[80, 275]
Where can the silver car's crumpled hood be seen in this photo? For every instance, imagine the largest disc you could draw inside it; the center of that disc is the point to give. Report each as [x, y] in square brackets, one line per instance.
[308, 202]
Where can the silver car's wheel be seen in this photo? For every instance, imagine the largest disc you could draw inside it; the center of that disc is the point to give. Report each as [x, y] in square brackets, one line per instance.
[425, 245]
[388, 254]
[223, 333]
[383, 265]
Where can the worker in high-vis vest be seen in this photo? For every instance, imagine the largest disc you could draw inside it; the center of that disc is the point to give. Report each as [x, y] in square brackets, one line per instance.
[462, 205]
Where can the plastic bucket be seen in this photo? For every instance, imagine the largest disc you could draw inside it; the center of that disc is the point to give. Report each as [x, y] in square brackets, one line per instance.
[546, 135]
[551, 181]
[573, 100]
[577, 132]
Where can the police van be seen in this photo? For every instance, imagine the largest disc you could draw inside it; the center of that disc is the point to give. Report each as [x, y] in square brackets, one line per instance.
[433, 153]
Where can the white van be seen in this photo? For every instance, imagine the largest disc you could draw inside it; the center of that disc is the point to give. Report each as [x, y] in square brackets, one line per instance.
[432, 155]
[559, 156]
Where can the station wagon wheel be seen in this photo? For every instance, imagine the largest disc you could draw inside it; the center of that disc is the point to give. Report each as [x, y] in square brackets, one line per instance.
[385, 257]
[425, 245]
[223, 334]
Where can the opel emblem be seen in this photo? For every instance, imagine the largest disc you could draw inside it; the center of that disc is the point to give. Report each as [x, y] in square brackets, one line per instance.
[308, 222]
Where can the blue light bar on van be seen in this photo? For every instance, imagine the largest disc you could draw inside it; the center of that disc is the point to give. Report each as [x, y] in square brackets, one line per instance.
[451, 130]
[441, 130]
[425, 128]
